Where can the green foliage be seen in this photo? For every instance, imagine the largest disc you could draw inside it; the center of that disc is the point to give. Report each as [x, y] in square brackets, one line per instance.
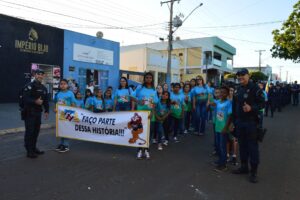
[228, 76]
[258, 76]
[287, 39]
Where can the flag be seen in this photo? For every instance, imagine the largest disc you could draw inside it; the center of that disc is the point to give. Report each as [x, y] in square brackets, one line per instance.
[268, 84]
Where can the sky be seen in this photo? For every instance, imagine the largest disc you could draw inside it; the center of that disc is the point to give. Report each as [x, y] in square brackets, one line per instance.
[245, 24]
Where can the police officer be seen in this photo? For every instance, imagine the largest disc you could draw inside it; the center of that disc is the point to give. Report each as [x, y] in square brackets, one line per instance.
[247, 102]
[295, 92]
[35, 97]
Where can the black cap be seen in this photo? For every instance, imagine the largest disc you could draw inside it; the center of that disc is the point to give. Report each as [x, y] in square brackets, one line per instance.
[39, 71]
[242, 72]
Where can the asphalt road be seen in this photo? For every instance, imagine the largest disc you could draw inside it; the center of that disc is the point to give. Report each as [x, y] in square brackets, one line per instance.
[181, 171]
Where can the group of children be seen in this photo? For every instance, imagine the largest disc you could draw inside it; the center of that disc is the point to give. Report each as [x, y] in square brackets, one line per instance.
[179, 110]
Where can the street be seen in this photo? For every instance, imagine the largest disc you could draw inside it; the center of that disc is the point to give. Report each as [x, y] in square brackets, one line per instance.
[183, 170]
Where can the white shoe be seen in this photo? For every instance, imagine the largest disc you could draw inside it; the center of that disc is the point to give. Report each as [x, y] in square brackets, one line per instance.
[147, 154]
[185, 132]
[160, 148]
[166, 142]
[139, 155]
[176, 139]
[154, 141]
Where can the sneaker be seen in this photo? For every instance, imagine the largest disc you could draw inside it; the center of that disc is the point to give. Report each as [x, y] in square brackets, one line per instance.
[58, 147]
[221, 168]
[139, 155]
[166, 142]
[201, 134]
[214, 153]
[185, 132]
[160, 148]
[233, 161]
[38, 152]
[147, 154]
[64, 149]
[154, 141]
[176, 139]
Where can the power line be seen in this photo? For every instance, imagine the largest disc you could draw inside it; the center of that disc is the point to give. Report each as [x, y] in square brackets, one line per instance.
[73, 17]
[239, 25]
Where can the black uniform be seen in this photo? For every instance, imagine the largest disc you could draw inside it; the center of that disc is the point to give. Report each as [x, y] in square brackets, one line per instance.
[33, 112]
[246, 124]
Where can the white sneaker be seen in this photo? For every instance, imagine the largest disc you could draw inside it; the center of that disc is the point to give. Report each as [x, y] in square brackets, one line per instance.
[139, 155]
[154, 141]
[185, 132]
[176, 139]
[147, 154]
[166, 142]
[160, 148]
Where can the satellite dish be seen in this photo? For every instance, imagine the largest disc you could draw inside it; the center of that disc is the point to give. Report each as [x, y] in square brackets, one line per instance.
[99, 34]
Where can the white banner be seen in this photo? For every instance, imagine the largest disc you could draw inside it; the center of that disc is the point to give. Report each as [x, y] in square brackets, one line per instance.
[119, 128]
[92, 55]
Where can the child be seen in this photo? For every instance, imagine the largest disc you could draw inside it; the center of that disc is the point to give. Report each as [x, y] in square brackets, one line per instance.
[122, 96]
[88, 100]
[98, 103]
[187, 107]
[223, 119]
[67, 98]
[146, 98]
[177, 110]
[108, 101]
[79, 103]
[162, 112]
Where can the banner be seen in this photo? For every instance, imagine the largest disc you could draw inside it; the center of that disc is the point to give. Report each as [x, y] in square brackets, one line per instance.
[118, 128]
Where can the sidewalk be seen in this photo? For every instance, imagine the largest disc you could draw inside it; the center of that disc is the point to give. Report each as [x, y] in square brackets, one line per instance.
[10, 119]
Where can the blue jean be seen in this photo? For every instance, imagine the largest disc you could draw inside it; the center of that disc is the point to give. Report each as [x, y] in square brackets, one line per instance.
[123, 106]
[159, 131]
[176, 124]
[201, 117]
[65, 142]
[221, 141]
[187, 120]
[248, 144]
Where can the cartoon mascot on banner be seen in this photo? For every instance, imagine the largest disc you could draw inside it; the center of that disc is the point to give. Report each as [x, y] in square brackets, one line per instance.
[136, 127]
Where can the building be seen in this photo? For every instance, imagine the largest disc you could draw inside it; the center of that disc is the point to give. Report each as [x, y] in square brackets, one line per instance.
[194, 56]
[26, 46]
[87, 58]
[141, 59]
[267, 70]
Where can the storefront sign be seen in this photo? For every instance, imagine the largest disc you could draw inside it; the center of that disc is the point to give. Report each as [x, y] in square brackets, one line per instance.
[31, 45]
[92, 55]
[118, 128]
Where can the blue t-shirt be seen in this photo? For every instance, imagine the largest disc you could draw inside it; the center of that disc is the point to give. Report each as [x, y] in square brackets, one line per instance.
[223, 111]
[108, 104]
[200, 93]
[123, 95]
[148, 95]
[161, 108]
[98, 104]
[89, 102]
[79, 103]
[177, 105]
[66, 98]
[210, 90]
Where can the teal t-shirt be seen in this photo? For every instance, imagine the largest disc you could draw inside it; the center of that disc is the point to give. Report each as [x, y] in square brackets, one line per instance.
[98, 104]
[200, 93]
[187, 103]
[177, 105]
[66, 98]
[223, 111]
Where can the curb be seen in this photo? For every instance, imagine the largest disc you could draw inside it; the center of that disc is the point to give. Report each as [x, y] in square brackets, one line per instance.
[22, 129]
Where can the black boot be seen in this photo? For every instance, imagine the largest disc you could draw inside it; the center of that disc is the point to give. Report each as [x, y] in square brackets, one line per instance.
[253, 174]
[242, 170]
[31, 155]
[38, 152]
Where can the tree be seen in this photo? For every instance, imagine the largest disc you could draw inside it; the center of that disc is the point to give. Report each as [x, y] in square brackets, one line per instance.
[258, 76]
[287, 39]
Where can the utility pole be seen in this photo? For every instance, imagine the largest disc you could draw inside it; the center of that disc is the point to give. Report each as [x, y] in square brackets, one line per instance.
[259, 62]
[170, 38]
[287, 76]
[280, 72]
